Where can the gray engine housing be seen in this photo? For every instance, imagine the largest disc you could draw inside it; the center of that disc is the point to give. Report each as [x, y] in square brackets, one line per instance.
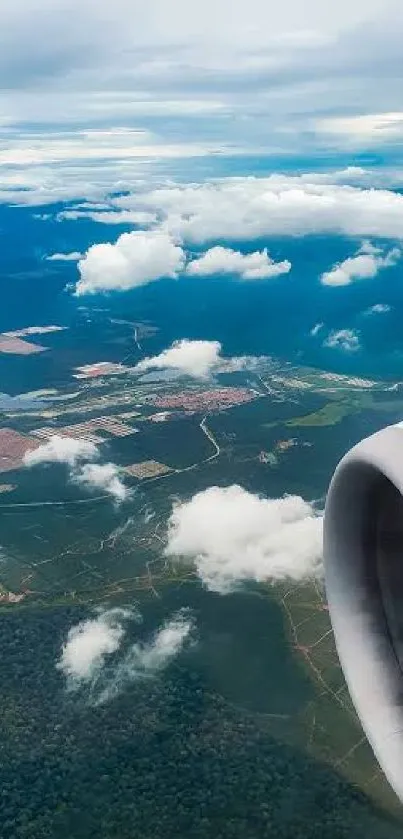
[363, 557]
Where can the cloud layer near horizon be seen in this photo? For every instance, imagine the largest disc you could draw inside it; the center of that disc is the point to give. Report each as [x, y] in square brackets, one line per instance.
[279, 205]
[254, 78]
[233, 536]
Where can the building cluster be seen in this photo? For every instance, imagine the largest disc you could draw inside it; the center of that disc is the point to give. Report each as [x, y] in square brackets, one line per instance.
[147, 469]
[201, 401]
[288, 381]
[88, 430]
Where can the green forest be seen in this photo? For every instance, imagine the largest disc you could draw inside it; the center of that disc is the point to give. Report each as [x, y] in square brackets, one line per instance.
[167, 759]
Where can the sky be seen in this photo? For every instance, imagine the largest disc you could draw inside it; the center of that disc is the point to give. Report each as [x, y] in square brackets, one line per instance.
[196, 140]
[104, 90]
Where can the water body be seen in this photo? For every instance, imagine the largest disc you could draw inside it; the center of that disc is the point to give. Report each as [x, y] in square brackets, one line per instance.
[273, 316]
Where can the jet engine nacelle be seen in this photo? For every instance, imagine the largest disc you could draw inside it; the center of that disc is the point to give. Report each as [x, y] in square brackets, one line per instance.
[363, 555]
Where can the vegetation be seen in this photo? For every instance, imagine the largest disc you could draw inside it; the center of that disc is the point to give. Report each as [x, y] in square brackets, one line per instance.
[333, 412]
[166, 759]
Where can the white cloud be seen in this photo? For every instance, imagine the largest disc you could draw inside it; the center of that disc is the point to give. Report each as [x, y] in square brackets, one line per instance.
[365, 265]
[224, 75]
[62, 450]
[148, 657]
[375, 128]
[199, 359]
[233, 536]
[79, 456]
[85, 659]
[110, 216]
[114, 144]
[316, 329]
[38, 185]
[241, 362]
[74, 256]
[105, 476]
[194, 358]
[378, 309]
[143, 256]
[250, 266]
[343, 339]
[279, 205]
[158, 24]
[244, 208]
[231, 208]
[135, 259]
[88, 643]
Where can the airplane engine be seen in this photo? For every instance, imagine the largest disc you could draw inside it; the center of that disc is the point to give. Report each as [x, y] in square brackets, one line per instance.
[363, 558]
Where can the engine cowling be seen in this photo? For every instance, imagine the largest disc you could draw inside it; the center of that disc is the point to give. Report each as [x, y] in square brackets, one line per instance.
[363, 556]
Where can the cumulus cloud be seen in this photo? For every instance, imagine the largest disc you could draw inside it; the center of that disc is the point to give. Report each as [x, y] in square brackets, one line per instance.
[148, 657]
[249, 266]
[236, 363]
[143, 256]
[234, 536]
[89, 643]
[74, 256]
[194, 358]
[109, 216]
[135, 259]
[62, 450]
[343, 339]
[79, 456]
[97, 655]
[231, 209]
[279, 205]
[199, 359]
[102, 476]
[365, 265]
[378, 309]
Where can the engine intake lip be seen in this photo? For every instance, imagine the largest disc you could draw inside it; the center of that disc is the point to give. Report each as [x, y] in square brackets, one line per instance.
[363, 542]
